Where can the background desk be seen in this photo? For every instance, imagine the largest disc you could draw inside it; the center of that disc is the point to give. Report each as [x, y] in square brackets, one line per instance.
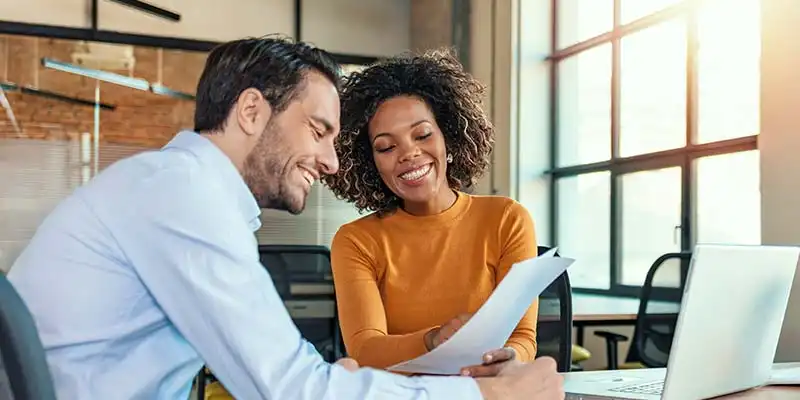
[767, 393]
[596, 310]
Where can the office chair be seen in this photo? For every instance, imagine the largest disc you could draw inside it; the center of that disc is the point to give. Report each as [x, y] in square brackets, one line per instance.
[21, 351]
[303, 278]
[654, 330]
[554, 328]
[554, 325]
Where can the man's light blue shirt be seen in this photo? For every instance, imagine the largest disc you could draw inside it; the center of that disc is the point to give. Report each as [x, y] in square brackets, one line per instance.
[151, 270]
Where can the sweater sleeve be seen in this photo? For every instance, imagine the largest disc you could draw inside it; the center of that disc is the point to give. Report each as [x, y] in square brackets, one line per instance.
[361, 312]
[518, 241]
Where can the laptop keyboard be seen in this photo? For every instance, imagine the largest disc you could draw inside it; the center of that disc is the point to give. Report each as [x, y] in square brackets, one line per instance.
[642, 388]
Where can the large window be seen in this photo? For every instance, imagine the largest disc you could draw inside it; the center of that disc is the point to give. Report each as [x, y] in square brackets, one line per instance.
[655, 121]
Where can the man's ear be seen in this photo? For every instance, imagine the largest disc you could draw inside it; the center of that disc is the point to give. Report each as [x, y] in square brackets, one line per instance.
[252, 112]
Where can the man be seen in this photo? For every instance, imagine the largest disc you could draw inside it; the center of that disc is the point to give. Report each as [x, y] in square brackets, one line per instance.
[151, 270]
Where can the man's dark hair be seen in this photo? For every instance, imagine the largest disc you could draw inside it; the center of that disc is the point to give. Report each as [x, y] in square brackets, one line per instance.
[274, 65]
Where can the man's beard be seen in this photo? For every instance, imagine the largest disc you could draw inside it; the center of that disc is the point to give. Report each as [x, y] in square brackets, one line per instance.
[266, 173]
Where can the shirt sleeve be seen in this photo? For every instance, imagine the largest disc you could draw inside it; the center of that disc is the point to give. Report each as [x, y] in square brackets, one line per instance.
[198, 258]
[361, 313]
[518, 238]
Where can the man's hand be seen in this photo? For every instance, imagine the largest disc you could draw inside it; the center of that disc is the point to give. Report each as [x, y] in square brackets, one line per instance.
[348, 364]
[537, 380]
[494, 362]
[439, 335]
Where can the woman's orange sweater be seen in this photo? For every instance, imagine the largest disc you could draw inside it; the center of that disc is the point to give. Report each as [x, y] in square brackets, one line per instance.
[400, 276]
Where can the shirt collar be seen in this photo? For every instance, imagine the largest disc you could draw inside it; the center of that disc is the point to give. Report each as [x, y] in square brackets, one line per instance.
[210, 155]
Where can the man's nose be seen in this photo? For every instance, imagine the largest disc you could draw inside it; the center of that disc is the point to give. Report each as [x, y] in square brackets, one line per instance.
[329, 162]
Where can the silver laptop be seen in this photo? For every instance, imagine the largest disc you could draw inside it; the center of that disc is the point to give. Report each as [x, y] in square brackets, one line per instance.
[789, 342]
[726, 334]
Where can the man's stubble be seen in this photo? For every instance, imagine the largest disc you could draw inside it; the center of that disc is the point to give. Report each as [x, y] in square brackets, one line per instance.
[266, 173]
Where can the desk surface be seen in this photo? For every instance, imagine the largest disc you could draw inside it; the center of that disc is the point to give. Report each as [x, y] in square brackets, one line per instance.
[591, 307]
[767, 393]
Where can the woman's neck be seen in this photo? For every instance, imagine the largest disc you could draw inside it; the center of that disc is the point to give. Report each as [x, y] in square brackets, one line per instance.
[441, 202]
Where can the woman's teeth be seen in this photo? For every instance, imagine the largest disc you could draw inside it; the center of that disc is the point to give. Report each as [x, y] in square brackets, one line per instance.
[416, 174]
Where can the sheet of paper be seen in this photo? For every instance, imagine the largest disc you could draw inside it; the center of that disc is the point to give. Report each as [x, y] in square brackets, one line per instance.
[492, 325]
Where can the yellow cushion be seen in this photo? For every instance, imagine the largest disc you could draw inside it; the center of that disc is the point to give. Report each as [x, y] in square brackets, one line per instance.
[632, 365]
[580, 353]
[215, 391]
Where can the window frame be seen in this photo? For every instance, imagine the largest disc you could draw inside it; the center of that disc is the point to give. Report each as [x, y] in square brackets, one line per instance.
[683, 157]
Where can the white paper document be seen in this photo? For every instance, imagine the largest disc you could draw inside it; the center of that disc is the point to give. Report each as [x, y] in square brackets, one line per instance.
[492, 325]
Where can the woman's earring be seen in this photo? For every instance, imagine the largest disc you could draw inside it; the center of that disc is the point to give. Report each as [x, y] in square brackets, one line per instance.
[449, 158]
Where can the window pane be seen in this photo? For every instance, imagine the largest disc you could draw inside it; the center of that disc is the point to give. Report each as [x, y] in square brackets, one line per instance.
[653, 89]
[631, 10]
[651, 216]
[729, 198]
[579, 20]
[728, 70]
[584, 107]
[583, 228]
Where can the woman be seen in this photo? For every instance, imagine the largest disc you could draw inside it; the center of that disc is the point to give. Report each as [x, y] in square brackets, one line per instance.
[414, 135]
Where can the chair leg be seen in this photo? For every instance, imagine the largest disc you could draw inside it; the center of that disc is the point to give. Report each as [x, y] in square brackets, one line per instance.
[201, 384]
[613, 356]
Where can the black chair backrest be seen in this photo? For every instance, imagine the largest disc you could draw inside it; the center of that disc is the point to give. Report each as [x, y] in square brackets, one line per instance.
[554, 328]
[296, 265]
[655, 324]
[303, 277]
[21, 351]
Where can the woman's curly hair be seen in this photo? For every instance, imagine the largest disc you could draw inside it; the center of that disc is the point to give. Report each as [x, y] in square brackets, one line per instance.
[455, 99]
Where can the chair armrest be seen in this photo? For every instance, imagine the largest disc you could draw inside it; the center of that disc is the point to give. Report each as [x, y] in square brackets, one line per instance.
[611, 336]
[612, 347]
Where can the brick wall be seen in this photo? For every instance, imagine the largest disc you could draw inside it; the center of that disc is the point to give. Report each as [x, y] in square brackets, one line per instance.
[140, 118]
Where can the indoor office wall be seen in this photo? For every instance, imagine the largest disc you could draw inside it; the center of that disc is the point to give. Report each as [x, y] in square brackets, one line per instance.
[491, 43]
[482, 62]
[375, 27]
[432, 24]
[370, 28]
[200, 19]
[779, 144]
[69, 13]
[509, 41]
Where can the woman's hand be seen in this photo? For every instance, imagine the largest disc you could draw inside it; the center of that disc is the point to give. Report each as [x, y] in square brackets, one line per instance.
[494, 362]
[437, 336]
